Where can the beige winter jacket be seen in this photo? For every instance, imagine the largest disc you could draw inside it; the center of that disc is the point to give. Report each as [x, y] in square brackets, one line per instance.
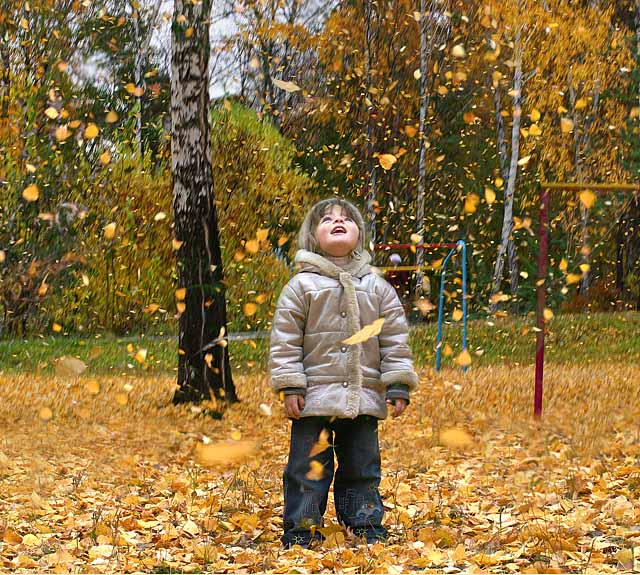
[321, 306]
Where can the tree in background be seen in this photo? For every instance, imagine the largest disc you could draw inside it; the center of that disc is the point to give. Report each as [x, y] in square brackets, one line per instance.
[204, 371]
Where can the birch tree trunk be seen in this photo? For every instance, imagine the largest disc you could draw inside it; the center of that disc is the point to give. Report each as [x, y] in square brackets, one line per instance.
[507, 219]
[203, 371]
[422, 160]
[371, 166]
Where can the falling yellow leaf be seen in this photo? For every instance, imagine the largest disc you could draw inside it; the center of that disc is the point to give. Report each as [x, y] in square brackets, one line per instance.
[261, 298]
[417, 74]
[51, 113]
[458, 51]
[262, 234]
[499, 182]
[105, 157]
[282, 240]
[159, 217]
[250, 308]
[122, 399]
[322, 444]
[62, 133]
[181, 306]
[134, 90]
[423, 305]
[471, 203]
[534, 116]
[316, 471]
[563, 265]
[110, 231]
[447, 350]
[547, 314]
[469, 117]
[208, 359]
[457, 314]
[463, 359]
[141, 355]
[580, 104]
[111, 117]
[151, 308]
[455, 438]
[573, 278]
[387, 161]
[524, 161]
[91, 131]
[236, 435]
[287, 86]
[534, 130]
[365, 333]
[176, 244]
[587, 198]
[410, 131]
[31, 193]
[215, 454]
[93, 387]
[499, 297]
[56, 327]
[566, 125]
[181, 294]
[489, 196]
[252, 246]
[45, 414]
[265, 409]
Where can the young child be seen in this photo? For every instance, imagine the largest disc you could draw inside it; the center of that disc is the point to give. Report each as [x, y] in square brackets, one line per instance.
[335, 392]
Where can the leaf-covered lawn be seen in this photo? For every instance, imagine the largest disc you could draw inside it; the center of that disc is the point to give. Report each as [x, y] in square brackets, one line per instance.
[104, 474]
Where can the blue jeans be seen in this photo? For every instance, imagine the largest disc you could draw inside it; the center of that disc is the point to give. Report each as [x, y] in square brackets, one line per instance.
[357, 499]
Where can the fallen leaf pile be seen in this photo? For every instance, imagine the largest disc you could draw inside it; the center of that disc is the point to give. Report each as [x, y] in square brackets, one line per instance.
[90, 482]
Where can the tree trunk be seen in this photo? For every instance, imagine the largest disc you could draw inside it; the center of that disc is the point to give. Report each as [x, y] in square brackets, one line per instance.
[371, 166]
[204, 371]
[507, 220]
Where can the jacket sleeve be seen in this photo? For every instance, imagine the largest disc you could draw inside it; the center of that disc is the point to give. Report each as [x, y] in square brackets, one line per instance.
[287, 333]
[396, 362]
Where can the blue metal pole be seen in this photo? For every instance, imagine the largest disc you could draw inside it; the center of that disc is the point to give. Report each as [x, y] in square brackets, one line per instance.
[441, 310]
[463, 245]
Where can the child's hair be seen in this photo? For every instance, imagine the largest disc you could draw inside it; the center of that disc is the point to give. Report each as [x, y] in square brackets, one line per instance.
[306, 236]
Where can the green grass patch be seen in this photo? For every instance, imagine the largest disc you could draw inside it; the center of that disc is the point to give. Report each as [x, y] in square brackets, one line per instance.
[570, 338]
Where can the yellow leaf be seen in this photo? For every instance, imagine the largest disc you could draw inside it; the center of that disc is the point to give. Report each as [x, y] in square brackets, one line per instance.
[489, 196]
[122, 399]
[424, 305]
[469, 117]
[215, 454]
[176, 244]
[563, 265]
[566, 125]
[581, 104]
[261, 298]
[110, 231]
[31, 540]
[45, 414]
[387, 161]
[141, 355]
[159, 217]
[69, 366]
[250, 308]
[111, 117]
[208, 359]
[573, 278]
[322, 444]
[587, 198]
[410, 131]
[252, 246]
[524, 161]
[31, 193]
[265, 409]
[417, 74]
[236, 435]
[105, 157]
[416, 239]
[62, 133]
[499, 297]
[547, 314]
[134, 90]
[91, 131]
[93, 387]
[262, 234]
[74, 123]
[282, 240]
[457, 314]
[287, 86]
[316, 471]
[499, 182]
[458, 51]
[471, 203]
[534, 130]
[447, 350]
[151, 308]
[368, 331]
[534, 116]
[56, 327]
[455, 438]
[51, 113]
[181, 306]
[464, 359]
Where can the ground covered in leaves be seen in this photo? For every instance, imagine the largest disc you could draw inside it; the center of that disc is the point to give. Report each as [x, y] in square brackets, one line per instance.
[104, 474]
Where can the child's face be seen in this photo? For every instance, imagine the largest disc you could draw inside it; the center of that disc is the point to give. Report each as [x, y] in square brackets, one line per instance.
[337, 233]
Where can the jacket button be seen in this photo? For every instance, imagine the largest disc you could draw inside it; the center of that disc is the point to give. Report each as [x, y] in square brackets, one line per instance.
[343, 314]
[345, 384]
[343, 349]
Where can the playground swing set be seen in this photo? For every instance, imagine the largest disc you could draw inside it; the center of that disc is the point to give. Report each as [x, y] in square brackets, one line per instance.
[541, 283]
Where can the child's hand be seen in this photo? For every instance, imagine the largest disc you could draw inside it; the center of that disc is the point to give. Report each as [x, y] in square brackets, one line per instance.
[293, 405]
[399, 405]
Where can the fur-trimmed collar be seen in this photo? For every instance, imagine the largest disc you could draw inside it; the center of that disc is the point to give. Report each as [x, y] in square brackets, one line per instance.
[307, 261]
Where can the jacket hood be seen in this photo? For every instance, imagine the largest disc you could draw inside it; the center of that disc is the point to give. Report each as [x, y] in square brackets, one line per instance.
[307, 261]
